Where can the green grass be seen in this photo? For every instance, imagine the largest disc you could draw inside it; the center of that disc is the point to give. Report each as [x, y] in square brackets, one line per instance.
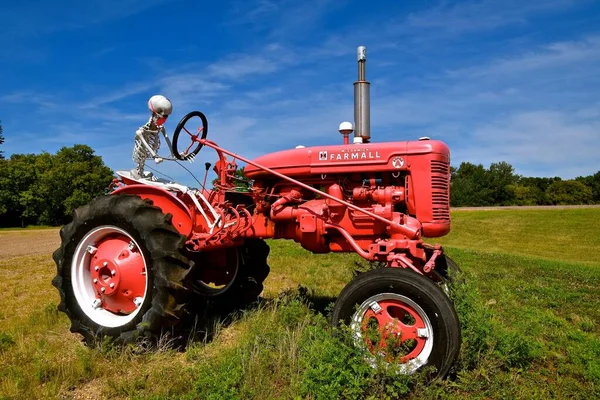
[552, 234]
[27, 228]
[529, 307]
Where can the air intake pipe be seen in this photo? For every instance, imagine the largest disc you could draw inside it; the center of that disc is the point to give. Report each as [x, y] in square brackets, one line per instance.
[362, 101]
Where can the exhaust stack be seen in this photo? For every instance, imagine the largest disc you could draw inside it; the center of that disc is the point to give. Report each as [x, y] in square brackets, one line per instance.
[362, 100]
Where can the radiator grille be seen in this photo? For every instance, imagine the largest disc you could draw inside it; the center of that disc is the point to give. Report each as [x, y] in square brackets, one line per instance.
[440, 189]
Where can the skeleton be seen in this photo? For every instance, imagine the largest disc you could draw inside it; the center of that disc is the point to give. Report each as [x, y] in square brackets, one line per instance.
[147, 139]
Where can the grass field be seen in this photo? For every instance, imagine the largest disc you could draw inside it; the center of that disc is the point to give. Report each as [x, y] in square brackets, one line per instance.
[529, 306]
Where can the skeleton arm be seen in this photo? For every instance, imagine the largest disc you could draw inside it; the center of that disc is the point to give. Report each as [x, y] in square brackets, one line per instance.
[164, 132]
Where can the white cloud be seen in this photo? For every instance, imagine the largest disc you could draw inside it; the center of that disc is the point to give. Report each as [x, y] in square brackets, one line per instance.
[504, 109]
[251, 11]
[282, 18]
[469, 16]
[538, 143]
[120, 94]
[239, 66]
[24, 19]
[40, 100]
[566, 54]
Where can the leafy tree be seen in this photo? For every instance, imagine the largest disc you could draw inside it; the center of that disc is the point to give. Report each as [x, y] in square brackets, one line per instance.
[501, 180]
[1, 142]
[243, 184]
[75, 177]
[540, 183]
[593, 182]
[532, 190]
[474, 185]
[5, 192]
[569, 192]
[17, 175]
[46, 188]
[528, 195]
[240, 181]
[470, 186]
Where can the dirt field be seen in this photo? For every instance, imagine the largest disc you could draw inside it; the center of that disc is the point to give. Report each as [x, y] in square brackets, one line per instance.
[28, 242]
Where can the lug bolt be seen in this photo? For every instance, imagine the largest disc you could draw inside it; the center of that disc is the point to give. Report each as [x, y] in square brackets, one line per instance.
[96, 268]
[112, 285]
[376, 307]
[105, 264]
[113, 272]
[103, 289]
[95, 280]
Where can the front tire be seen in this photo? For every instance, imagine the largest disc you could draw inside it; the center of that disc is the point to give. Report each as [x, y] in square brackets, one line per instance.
[120, 270]
[402, 317]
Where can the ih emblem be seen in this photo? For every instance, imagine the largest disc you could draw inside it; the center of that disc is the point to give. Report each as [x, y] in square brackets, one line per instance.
[397, 162]
[322, 156]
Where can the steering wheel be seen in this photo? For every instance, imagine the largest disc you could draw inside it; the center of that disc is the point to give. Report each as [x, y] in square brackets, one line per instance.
[201, 133]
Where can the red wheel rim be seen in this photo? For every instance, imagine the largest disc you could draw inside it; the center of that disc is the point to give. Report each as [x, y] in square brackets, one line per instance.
[109, 276]
[395, 328]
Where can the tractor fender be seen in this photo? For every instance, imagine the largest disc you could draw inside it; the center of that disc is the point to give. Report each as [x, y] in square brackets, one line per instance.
[167, 202]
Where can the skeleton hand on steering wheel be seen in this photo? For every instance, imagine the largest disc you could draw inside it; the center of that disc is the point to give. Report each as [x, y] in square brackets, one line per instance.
[190, 151]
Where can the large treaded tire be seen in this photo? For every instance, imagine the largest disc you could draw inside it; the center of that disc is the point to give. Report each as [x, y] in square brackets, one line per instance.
[255, 270]
[166, 266]
[247, 285]
[435, 305]
[447, 267]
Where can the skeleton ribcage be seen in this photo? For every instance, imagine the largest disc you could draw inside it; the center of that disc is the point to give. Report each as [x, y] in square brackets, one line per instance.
[140, 153]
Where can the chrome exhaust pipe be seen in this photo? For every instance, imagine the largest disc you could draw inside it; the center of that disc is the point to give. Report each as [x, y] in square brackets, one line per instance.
[362, 100]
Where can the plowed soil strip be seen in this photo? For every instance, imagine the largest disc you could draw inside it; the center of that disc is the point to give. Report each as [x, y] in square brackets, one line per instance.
[28, 242]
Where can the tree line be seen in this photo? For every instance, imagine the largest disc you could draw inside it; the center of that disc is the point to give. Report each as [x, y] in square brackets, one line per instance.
[474, 185]
[44, 189]
[1, 141]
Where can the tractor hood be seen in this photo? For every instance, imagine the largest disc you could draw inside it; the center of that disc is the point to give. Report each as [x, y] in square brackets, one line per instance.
[346, 158]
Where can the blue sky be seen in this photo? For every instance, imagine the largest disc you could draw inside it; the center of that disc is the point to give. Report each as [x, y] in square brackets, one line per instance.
[515, 81]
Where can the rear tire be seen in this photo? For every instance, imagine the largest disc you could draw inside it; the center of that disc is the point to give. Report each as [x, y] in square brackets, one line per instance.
[407, 309]
[246, 285]
[155, 249]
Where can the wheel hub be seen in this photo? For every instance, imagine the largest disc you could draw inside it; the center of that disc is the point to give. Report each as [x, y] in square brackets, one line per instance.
[117, 272]
[105, 277]
[402, 332]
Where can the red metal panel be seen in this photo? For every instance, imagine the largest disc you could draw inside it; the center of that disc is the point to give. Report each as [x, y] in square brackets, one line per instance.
[308, 223]
[368, 157]
[167, 202]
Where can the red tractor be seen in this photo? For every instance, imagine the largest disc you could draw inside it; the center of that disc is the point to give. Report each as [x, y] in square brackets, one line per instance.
[131, 262]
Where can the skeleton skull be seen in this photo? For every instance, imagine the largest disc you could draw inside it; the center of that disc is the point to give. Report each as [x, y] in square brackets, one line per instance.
[161, 108]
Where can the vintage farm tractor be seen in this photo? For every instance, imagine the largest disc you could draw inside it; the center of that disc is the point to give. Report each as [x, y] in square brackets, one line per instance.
[132, 262]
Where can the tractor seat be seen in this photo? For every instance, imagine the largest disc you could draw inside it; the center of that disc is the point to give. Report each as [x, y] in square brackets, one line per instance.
[130, 178]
